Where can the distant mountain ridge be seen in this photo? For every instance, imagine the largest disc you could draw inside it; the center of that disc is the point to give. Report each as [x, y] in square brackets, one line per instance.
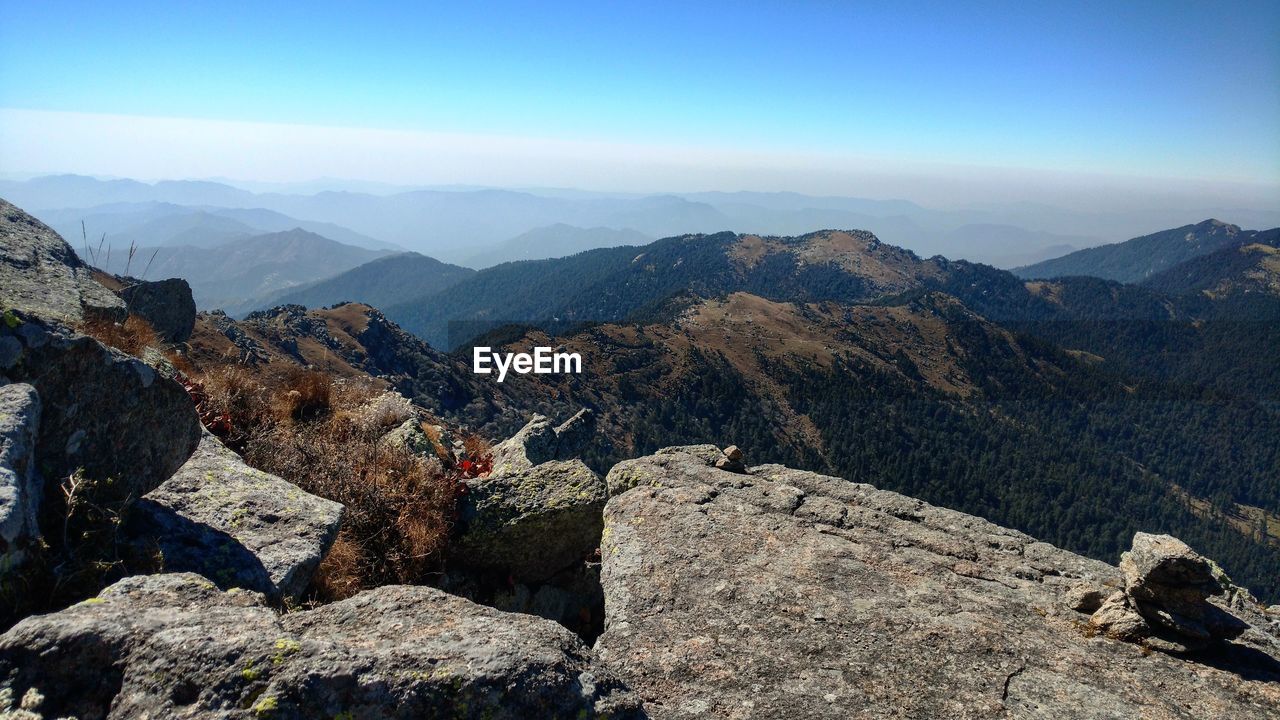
[1251, 265]
[232, 275]
[608, 285]
[382, 282]
[453, 224]
[153, 224]
[1138, 259]
[553, 241]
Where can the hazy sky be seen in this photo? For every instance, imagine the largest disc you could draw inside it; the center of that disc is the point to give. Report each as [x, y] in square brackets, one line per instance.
[834, 97]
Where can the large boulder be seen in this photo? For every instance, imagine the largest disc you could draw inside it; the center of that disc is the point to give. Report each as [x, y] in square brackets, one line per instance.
[166, 305]
[539, 442]
[531, 523]
[103, 412]
[537, 513]
[1169, 585]
[175, 646]
[42, 276]
[19, 484]
[235, 525]
[782, 593]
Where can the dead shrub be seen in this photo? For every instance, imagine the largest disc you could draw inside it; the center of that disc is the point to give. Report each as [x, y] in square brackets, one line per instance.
[81, 551]
[339, 575]
[303, 394]
[319, 434]
[135, 337]
[132, 336]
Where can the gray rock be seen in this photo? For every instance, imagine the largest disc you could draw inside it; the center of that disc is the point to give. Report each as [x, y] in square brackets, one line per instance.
[41, 275]
[531, 523]
[649, 471]
[237, 526]
[538, 442]
[731, 460]
[1117, 619]
[734, 466]
[1166, 560]
[575, 434]
[20, 488]
[1169, 584]
[166, 305]
[103, 412]
[409, 435]
[175, 646]
[1085, 598]
[751, 596]
[10, 352]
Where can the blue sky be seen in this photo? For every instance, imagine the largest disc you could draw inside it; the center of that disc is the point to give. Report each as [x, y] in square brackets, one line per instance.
[1166, 90]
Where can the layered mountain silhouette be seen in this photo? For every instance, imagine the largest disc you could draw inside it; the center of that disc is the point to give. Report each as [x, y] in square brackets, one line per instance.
[454, 223]
[154, 224]
[234, 274]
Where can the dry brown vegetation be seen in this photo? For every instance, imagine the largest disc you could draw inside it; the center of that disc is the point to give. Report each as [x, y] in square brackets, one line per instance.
[132, 336]
[327, 437]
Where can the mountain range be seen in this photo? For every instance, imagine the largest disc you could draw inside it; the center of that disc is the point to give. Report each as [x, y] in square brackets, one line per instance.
[1250, 265]
[381, 283]
[948, 380]
[153, 224]
[455, 224]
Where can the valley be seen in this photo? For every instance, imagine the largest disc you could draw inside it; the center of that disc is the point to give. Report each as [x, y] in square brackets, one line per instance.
[946, 380]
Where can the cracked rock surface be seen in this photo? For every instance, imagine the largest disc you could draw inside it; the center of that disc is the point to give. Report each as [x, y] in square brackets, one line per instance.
[164, 646]
[784, 593]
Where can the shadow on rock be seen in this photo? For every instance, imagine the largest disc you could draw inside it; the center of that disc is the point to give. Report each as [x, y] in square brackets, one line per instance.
[1247, 662]
[189, 546]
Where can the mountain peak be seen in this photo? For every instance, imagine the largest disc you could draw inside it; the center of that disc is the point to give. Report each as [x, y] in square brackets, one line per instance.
[1141, 257]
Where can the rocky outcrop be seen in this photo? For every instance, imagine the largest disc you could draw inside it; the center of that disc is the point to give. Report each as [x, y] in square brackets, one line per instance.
[531, 523]
[19, 484]
[1165, 602]
[176, 646]
[41, 275]
[104, 413]
[539, 442]
[528, 534]
[732, 460]
[235, 525]
[782, 593]
[536, 513]
[166, 305]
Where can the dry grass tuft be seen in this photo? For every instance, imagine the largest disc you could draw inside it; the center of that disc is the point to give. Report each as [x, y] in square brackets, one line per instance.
[339, 573]
[326, 437]
[135, 337]
[303, 394]
[132, 336]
